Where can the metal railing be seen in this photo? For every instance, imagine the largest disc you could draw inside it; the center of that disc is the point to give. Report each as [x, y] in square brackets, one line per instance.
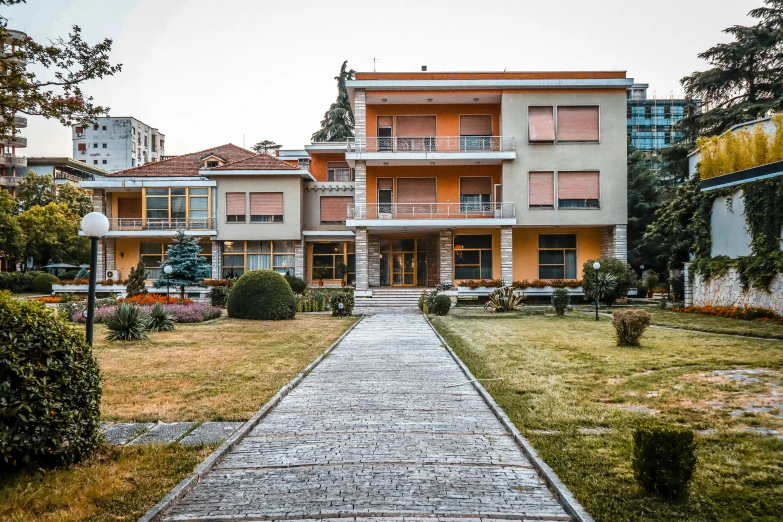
[431, 211]
[432, 144]
[134, 224]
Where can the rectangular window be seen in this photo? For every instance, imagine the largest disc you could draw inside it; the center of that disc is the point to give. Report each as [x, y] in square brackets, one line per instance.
[385, 133]
[104, 162]
[417, 190]
[199, 208]
[95, 162]
[266, 207]
[557, 256]
[579, 124]
[283, 257]
[82, 147]
[79, 130]
[475, 132]
[334, 209]
[152, 254]
[540, 124]
[475, 194]
[416, 133]
[104, 146]
[578, 189]
[541, 190]
[648, 112]
[236, 210]
[104, 127]
[473, 257]
[338, 171]
[94, 145]
[327, 260]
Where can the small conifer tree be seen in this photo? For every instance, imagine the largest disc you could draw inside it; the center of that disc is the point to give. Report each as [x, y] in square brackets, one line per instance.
[188, 267]
[136, 280]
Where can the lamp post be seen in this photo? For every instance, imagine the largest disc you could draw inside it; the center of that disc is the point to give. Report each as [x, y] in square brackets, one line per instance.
[596, 267]
[168, 270]
[95, 226]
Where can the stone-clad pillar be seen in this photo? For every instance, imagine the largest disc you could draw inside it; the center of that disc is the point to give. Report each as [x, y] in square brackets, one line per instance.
[360, 185]
[362, 274]
[299, 259]
[687, 280]
[100, 268]
[217, 260]
[111, 255]
[373, 260]
[506, 255]
[360, 114]
[614, 242]
[446, 256]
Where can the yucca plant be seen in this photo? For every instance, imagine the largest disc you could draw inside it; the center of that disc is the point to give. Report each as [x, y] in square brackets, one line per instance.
[605, 284]
[127, 324]
[504, 299]
[160, 319]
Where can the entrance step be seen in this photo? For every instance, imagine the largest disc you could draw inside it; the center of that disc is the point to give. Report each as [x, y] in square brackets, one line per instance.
[390, 300]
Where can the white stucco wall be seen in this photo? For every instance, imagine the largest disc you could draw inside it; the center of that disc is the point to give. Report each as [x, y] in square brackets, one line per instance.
[729, 232]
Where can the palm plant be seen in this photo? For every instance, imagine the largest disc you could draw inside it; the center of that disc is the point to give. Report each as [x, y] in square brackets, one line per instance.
[605, 284]
[503, 300]
[160, 319]
[127, 324]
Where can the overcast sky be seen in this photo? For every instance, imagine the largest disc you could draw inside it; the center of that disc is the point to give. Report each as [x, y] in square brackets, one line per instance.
[208, 72]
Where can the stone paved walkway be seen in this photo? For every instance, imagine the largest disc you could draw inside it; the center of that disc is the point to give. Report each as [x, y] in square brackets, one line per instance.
[373, 433]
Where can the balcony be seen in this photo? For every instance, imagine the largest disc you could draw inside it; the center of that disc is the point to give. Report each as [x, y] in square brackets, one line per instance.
[431, 214]
[8, 181]
[426, 150]
[20, 122]
[16, 141]
[7, 160]
[139, 227]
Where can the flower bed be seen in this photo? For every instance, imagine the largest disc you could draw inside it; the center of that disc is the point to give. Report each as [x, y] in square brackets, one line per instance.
[192, 313]
[215, 282]
[151, 299]
[525, 283]
[54, 299]
[749, 313]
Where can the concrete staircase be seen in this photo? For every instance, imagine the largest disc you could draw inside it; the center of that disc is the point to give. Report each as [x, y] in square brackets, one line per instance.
[389, 300]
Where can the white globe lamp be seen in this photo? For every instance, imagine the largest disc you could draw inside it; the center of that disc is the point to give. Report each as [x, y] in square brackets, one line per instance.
[95, 225]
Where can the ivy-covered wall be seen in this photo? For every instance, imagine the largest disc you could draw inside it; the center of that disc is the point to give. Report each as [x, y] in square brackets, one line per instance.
[726, 290]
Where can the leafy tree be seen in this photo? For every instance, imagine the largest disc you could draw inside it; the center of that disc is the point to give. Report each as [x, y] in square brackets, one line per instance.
[71, 62]
[136, 280]
[11, 237]
[79, 201]
[188, 268]
[644, 198]
[35, 189]
[338, 122]
[265, 147]
[51, 232]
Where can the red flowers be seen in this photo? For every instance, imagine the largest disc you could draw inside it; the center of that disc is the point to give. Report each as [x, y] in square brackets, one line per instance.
[748, 313]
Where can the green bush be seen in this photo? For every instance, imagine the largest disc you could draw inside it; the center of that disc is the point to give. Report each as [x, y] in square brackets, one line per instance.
[623, 278]
[218, 295]
[50, 387]
[261, 294]
[561, 300]
[629, 325]
[652, 282]
[127, 324]
[664, 459]
[160, 319]
[42, 284]
[345, 298]
[440, 305]
[296, 284]
[678, 287]
[18, 282]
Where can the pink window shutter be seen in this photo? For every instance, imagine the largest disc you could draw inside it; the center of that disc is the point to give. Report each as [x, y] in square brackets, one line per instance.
[416, 126]
[417, 190]
[335, 208]
[475, 185]
[577, 123]
[235, 204]
[542, 188]
[266, 203]
[475, 125]
[541, 124]
[577, 185]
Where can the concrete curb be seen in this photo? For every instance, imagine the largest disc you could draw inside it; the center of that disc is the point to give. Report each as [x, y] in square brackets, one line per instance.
[563, 494]
[156, 512]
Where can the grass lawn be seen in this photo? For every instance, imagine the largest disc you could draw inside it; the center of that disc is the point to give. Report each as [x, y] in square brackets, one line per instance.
[711, 323]
[561, 374]
[221, 370]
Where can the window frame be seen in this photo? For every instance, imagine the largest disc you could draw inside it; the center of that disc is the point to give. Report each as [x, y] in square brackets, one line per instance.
[480, 266]
[187, 220]
[557, 191]
[275, 218]
[575, 249]
[571, 142]
[272, 253]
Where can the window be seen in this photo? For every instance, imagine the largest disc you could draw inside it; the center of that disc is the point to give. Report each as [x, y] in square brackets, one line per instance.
[199, 207]
[166, 207]
[79, 130]
[266, 207]
[95, 162]
[475, 194]
[133, 162]
[161, 145]
[475, 132]
[577, 123]
[134, 130]
[334, 209]
[541, 190]
[416, 133]
[236, 209]
[104, 146]
[648, 112]
[385, 133]
[338, 171]
[82, 147]
[578, 189]
[540, 124]
[104, 127]
[94, 145]
[473, 257]
[145, 141]
[629, 113]
[240, 256]
[153, 254]
[212, 164]
[417, 190]
[104, 162]
[557, 256]
[667, 112]
[95, 126]
[327, 259]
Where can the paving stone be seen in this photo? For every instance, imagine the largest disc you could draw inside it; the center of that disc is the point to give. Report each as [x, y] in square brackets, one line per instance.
[163, 433]
[123, 432]
[210, 433]
[761, 431]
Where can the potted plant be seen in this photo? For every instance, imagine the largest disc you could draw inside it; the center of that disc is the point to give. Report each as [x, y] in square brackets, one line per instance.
[319, 273]
[341, 270]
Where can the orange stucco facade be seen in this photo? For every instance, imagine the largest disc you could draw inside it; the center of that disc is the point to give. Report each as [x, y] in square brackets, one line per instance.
[447, 116]
[318, 163]
[448, 178]
[525, 248]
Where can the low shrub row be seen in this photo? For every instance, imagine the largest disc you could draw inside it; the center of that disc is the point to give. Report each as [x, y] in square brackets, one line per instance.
[193, 313]
[541, 283]
[435, 302]
[18, 282]
[151, 299]
[749, 313]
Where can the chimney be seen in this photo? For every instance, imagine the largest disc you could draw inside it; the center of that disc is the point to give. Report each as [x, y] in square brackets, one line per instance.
[423, 68]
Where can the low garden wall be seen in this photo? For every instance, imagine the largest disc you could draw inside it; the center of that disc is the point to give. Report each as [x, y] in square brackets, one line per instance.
[727, 291]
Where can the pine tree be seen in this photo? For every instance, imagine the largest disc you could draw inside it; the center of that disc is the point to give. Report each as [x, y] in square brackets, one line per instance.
[338, 122]
[136, 280]
[188, 268]
[644, 199]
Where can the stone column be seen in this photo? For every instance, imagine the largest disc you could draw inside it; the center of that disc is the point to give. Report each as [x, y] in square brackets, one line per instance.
[100, 268]
[299, 259]
[614, 242]
[446, 256]
[433, 256]
[97, 200]
[506, 256]
[111, 254]
[687, 281]
[217, 260]
[362, 274]
[374, 260]
[360, 114]
[360, 184]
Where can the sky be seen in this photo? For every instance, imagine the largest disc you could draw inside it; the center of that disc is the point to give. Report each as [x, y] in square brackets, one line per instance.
[209, 72]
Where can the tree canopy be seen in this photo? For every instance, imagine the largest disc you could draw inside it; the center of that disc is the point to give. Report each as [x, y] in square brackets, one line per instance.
[265, 147]
[188, 268]
[51, 232]
[338, 122]
[644, 197]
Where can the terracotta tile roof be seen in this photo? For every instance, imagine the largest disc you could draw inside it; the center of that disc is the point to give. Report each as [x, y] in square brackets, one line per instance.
[257, 162]
[185, 165]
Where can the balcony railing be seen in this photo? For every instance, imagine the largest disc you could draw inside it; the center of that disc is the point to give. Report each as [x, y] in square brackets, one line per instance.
[433, 144]
[8, 181]
[138, 224]
[16, 141]
[8, 160]
[431, 211]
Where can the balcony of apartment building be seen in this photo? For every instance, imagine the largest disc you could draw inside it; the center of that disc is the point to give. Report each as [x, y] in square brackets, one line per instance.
[14, 141]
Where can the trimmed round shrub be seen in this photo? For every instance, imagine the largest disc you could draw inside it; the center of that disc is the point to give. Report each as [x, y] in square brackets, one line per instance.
[218, 295]
[42, 284]
[50, 387]
[664, 458]
[263, 295]
[629, 325]
[440, 305]
[296, 284]
[127, 324]
[561, 300]
[346, 298]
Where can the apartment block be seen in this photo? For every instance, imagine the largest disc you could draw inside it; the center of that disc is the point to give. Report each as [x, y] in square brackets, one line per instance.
[10, 160]
[117, 143]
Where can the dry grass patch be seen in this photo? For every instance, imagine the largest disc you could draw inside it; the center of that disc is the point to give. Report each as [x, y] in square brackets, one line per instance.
[222, 370]
[115, 484]
[714, 324]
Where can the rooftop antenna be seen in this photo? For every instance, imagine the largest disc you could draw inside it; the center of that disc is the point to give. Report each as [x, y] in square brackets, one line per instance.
[373, 60]
[243, 141]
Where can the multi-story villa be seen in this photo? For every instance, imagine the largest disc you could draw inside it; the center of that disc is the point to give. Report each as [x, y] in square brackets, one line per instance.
[116, 144]
[451, 177]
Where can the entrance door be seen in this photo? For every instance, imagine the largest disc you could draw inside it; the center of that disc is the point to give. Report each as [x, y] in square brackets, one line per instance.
[403, 262]
[404, 269]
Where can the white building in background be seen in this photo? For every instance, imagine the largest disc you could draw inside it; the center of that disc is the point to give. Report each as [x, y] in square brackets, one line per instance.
[115, 144]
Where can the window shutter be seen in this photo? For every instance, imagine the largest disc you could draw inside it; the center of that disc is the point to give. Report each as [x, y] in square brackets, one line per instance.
[542, 188]
[266, 203]
[475, 125]
[577, 185]
[540, 124]
[336, 165]
[385, 121]
[475, 185]
[577, 123]
[82, 146]
[235, 204]
[335, 208]
[416, 126]
[129, 208]
[417, 190]
[385, 184]
[79, 130]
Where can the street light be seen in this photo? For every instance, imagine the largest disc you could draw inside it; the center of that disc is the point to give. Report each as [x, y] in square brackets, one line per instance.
[95, 226]
[596, 267]
[168, 270]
